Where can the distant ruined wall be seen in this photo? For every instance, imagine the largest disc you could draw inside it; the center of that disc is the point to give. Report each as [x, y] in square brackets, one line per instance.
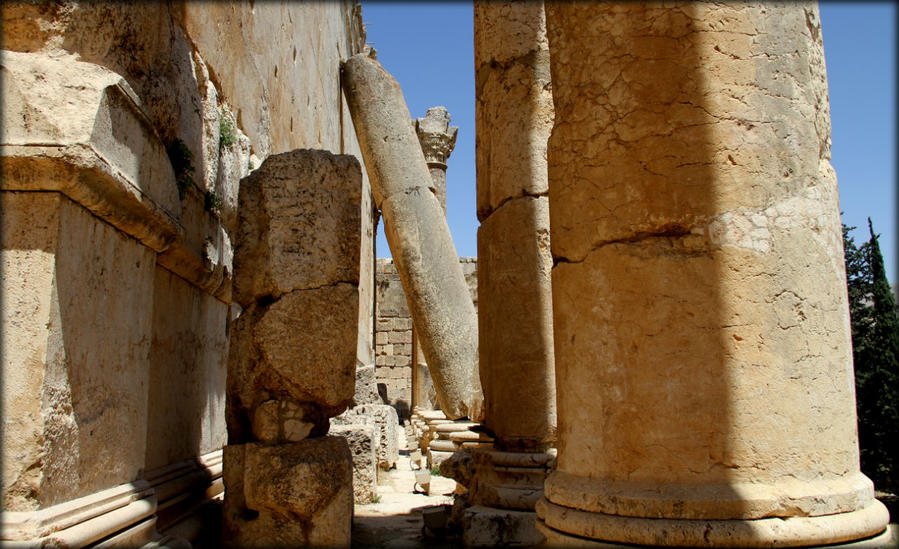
[393, 334]
[127, 129]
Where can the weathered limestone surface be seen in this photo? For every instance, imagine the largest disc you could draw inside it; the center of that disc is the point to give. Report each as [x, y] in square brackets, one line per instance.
[514, 109]
[514, 119]
[293, 362]
[416, 230]
[364, 439]
[294, 349]
[517, 367]
[699, 290]
[386, 419]
[437, 140]
[93, 95]
[491, 527]
[366, 391]
[299, 225]
[297, 271]
[188, 368]
[75, 351]
[301, 493]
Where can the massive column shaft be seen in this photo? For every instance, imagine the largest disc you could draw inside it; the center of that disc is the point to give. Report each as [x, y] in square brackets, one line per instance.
[514, 117]
[416, 230]
[701, 332]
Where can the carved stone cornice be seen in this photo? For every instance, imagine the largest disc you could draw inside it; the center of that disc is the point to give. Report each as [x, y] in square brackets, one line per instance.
[436, 136]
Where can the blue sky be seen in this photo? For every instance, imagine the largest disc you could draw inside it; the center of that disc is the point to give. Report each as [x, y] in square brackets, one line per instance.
[429, 49]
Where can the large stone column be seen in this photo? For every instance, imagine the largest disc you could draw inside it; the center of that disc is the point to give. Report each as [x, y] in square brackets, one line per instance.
[702, 341]
[437, 140]
[514, 118]
[416, 230]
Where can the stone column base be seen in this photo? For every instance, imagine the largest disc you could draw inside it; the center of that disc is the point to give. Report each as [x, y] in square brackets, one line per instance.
[492, 527]
[509, 480]
[567, 527]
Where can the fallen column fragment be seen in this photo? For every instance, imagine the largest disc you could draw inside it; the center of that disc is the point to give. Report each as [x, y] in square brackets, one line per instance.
[416, 230]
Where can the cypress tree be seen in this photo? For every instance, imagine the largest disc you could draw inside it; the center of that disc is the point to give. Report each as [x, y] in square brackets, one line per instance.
[875, 343]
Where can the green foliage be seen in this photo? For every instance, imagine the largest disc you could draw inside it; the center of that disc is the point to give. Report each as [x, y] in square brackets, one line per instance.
[212, 202]
[875, 350]
[376, 499]
[181, 159]
[435, 471]
[227, 137]
[250, 165]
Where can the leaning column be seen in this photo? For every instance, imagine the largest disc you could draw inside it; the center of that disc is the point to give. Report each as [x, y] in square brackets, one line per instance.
[438, 139]
[514, 115]
[416, 230]
[701, 334]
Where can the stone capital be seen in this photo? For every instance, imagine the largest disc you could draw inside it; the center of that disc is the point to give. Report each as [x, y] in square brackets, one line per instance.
[436, 136]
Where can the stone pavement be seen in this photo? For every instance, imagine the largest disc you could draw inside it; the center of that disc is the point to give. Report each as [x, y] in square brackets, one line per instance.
[395, 521]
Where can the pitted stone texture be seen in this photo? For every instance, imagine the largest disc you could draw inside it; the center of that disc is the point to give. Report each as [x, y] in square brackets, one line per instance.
[299, 225]
[289, 495]
[516, 360]
[366, 390]
[364, 440]
[301, 348]
[444, 316]
[388, 423]
[508, 31]
[699, 291]
[76, 351]
[416, 229]
[514, 109]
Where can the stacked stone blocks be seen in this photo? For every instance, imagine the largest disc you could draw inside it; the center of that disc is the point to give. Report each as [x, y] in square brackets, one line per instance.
[292, 362]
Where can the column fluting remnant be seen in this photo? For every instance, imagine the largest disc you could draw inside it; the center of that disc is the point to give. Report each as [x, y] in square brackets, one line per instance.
[701, 324]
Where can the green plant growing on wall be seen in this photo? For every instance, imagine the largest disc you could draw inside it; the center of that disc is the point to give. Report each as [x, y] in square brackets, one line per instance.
[227, 136]
[181, 159]
[212, 202]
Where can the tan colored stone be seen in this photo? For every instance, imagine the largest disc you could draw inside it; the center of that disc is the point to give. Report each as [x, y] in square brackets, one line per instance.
[301, 494]
[514, 110]
[299, 225]
[492, 527]
[517, 366]
[76, 344]
[187, 374]
[363, 439]
[272, 357]
[698, 287]
[416, 231]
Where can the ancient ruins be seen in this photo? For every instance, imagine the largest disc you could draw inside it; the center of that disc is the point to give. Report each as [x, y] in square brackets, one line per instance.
[200, 348]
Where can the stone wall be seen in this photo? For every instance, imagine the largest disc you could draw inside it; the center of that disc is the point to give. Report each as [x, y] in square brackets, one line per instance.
[393, 334]
[127, 130]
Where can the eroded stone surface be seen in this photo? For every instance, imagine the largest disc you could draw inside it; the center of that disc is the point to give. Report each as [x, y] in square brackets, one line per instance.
[514, 118]
[300, 348]
[289, 495]
[416, 231]
[76, 351]
[698, 286]
[364, 440]
[299, 226]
